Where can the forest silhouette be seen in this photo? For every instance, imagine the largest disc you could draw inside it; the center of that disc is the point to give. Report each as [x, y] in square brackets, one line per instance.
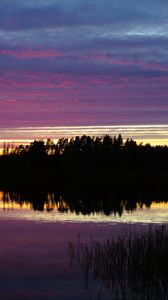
[84, 159]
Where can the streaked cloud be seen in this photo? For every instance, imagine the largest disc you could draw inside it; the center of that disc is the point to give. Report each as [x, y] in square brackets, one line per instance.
[83, 62]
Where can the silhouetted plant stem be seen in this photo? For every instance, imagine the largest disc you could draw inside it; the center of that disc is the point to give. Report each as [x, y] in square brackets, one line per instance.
[132, 266]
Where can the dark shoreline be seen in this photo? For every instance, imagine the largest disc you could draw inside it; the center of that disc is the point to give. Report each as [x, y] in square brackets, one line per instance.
[85, 161]
[52, 179]
[86, 194]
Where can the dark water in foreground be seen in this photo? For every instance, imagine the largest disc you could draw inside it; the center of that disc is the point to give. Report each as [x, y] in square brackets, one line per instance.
[34, 261]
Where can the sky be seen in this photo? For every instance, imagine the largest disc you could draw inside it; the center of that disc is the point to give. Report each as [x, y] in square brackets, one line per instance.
[83, 63]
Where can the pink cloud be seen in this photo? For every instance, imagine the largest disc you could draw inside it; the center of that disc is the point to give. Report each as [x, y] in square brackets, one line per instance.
[95, 57]
[108, 59]
[142, 63]
[20, 80]
[30, 53]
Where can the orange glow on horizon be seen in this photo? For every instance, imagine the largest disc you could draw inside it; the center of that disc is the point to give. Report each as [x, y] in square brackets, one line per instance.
[155, 135]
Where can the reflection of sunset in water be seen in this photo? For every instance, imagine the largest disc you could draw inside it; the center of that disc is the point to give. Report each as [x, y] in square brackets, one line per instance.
[8, 203]
[51, 210]
[160, 205]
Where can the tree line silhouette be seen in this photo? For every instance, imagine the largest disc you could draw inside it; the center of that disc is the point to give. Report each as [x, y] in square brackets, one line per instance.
[86, 158]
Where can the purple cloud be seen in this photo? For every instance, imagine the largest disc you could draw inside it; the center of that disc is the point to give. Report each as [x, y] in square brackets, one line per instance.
[83, 62]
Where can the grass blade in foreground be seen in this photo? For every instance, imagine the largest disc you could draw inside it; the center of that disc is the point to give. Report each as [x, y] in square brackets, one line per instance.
[133, 266]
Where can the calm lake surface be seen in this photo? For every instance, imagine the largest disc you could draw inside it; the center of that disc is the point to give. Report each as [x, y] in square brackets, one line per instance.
[35, 229]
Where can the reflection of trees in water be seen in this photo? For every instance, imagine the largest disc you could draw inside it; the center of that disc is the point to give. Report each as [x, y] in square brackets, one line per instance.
[84, 202]
[38, 201]
[132, 266]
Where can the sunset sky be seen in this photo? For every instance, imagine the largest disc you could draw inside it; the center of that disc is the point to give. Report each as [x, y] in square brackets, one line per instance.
[83, 63]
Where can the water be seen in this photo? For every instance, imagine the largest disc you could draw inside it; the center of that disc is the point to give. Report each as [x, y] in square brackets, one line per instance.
[35, 229]
[52, 207]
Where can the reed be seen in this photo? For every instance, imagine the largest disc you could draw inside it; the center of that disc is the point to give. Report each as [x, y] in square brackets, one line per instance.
[132, 266]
